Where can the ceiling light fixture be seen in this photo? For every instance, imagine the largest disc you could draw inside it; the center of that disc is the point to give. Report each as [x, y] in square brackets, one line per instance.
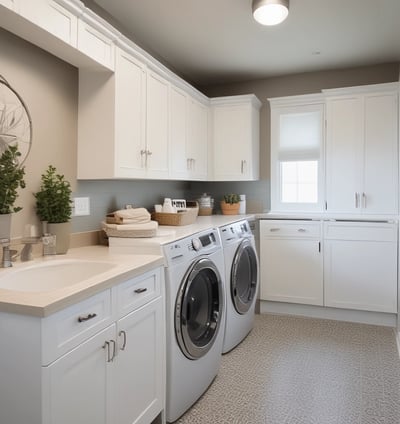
[270, 12]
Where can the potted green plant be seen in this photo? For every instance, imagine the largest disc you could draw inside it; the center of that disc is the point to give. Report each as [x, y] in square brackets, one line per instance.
[230, 204]
[53, 206]
[11, 179]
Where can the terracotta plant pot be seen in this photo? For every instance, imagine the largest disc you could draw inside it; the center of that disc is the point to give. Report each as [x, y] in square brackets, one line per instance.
[229, 208]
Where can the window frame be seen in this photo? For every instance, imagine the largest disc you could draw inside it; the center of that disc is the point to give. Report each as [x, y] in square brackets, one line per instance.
[287, 105]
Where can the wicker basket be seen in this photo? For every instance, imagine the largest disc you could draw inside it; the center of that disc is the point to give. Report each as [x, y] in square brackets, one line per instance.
[181, 218]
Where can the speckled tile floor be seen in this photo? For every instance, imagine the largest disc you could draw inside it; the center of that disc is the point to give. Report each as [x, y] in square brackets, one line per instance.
[292, 370]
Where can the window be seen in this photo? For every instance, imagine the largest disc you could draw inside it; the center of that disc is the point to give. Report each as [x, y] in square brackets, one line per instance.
[296, 157]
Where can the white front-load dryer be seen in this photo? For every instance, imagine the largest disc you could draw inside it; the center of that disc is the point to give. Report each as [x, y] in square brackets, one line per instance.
[195, 318]
[241, 278]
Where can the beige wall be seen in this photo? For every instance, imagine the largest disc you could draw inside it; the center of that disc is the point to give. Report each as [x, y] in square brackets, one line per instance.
[49, 88]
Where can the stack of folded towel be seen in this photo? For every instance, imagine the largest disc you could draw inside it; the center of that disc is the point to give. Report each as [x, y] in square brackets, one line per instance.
[133, 222]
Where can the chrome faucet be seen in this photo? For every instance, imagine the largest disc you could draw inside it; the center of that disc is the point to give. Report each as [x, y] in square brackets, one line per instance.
[6, 261]
[26, 252]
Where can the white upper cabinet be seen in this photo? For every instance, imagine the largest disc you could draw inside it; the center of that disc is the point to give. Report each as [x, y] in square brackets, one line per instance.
[52, 17]
[197, 139]
[157, 126]
[112, 121]
[362, 153]
[178, 158]
[96, 40]
[236, 138]
[188, 136]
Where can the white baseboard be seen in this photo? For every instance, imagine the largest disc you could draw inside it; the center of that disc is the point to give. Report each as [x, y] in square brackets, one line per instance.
[362, 317]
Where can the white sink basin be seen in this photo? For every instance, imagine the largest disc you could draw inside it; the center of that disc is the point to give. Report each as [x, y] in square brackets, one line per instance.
[52, 275]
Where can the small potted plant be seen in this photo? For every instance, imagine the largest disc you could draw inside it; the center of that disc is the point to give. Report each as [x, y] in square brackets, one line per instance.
[11, 179]
[230, 204]
[53, 207]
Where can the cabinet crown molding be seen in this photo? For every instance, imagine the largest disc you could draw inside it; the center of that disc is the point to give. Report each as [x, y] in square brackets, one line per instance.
[233, 100]
[308, 99]
[362, 89]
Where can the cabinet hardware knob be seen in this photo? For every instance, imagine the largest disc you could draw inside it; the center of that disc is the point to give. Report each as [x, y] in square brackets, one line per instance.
[149, 152]
[123, 334]
[86, 317]
[274, 229]
[143, 152]
[141, 290]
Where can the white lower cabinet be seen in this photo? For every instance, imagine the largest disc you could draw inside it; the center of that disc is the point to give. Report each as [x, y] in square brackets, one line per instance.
[88, 363]
[351, 265]
[291, 262]
[360, 266]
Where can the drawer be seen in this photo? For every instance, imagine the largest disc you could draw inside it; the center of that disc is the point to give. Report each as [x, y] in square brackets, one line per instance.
[69, 327]
[360, 231]
[297, 229]
[138, 291]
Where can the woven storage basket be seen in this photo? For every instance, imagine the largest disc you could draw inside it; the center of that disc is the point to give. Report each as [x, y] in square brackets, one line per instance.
[181, 218]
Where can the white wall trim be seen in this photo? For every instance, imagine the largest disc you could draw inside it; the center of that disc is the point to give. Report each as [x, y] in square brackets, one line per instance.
[337, 314]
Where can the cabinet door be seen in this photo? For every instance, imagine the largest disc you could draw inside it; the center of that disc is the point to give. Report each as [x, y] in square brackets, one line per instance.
[380, 193]
[344, 154]
[157, 126]
[232, 133]
[291, 271]
[179, 164]
[52, 17]
[96, 44]
[197, 141]
[77, 388]
[130, 106]
[360, 266]
[140, 365]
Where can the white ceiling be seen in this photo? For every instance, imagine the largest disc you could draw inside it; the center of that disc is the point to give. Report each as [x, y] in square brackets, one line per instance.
[214, 41]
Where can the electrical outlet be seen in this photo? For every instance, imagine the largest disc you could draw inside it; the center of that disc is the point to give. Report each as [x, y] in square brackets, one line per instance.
[81, 206]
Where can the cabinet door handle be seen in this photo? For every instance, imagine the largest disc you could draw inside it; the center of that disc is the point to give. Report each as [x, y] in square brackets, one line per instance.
[123, 334]
[141, 290]
[364, 200]
[114, 349]
[242, 166]
[357, 199]
[273, 230]
[86, 317]
[107, 346]
[149, 152]
[301, 230]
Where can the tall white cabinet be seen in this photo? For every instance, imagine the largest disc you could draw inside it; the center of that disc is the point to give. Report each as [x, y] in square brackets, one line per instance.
[362, 150]
[236, 129]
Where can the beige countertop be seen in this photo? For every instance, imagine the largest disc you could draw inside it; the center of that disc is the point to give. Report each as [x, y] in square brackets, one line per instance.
[168, 234]
[45, 303]
[325, 216]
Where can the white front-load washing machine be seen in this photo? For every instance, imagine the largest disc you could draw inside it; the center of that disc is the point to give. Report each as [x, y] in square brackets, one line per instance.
[195, 318]
[241, 277]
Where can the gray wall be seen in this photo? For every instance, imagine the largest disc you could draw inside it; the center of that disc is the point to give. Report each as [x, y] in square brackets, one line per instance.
[258, 192]
[49, 86]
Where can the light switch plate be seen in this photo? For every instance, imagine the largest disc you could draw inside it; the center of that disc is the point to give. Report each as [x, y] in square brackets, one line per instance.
[81, 206]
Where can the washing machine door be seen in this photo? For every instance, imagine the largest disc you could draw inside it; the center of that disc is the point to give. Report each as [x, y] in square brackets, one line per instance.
[198, 309]
[244, 276]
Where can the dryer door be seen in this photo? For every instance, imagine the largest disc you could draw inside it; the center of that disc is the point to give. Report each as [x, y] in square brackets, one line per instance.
[198, 309]
[244, 276]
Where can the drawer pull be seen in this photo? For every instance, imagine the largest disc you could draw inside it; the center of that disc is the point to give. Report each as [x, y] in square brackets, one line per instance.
[123, 333]
[86, 317]
[301, 230]
[141, 290]
[273, 230]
